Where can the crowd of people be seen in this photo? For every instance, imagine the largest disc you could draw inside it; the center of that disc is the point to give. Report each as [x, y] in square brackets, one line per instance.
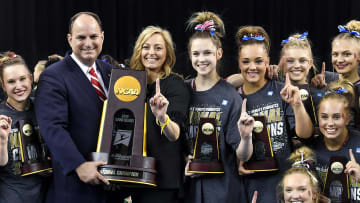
[64, 100]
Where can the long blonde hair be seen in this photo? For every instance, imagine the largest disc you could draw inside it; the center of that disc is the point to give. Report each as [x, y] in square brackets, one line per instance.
[135, 61]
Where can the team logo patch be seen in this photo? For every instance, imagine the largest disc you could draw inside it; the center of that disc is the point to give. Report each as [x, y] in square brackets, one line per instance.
[357, 149]
[319, 94]
[224, 102]
[270, 93]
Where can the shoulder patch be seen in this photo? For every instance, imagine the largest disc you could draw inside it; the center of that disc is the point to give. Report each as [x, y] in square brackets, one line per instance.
[224, 102]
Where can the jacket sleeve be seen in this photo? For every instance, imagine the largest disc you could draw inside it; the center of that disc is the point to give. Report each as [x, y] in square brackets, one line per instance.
[51, 107]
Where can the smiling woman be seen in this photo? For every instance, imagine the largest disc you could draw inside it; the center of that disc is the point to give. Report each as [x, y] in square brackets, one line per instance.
[337, 139]
[211, 98]
[299, 183]
[168, 98]
[266, 98]
[16, 80]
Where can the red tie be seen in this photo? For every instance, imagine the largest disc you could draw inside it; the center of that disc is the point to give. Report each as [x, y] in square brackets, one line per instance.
[95, 83]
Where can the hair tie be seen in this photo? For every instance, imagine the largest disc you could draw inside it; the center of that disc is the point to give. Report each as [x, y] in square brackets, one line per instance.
[302, 37]
[207, 26]
[337, 91]
[343, 29]
[12, 55]
[307, 164]
[255, 36]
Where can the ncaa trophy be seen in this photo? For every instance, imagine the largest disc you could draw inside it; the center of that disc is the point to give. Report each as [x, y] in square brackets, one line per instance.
[336, 185]
[263, 155]
[122, 136]
[35, 156]
[206, 151]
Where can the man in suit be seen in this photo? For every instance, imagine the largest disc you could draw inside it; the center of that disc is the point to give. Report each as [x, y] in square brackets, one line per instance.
[68, 109]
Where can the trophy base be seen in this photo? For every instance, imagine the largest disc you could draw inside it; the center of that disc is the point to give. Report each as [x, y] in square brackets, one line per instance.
[141, 171]
[33, 168]
[202, 167]
[268, 164]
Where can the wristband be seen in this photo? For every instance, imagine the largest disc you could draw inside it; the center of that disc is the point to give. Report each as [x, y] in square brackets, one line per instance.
[164, 124]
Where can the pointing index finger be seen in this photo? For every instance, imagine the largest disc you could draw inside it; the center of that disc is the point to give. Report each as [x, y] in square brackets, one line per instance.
[243, 107]
[352, 157]
[287, 81]
[158, 86]
[323, 69]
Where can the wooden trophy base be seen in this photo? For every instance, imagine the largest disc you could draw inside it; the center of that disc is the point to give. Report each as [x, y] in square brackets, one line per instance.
[203, 167]
[336, 185]
[141, 171]
[268, 164]
[33, 168]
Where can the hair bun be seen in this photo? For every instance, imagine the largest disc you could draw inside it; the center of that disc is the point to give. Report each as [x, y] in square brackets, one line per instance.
[202, 17]
[353, 25]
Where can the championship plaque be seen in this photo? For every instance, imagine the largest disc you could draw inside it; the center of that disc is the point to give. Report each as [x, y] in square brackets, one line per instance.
[263, 155]
[34, 153]
[336, 186]
[122, 136]
[206, 150]
[308, 102]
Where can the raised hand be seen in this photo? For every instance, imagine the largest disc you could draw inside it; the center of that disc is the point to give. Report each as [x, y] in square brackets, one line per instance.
[159, 104]
[272, 71]
[290, 93]
[246, 122]
[88, 173]
[318, 80]
[352, 167]
[5, 127]
[245, 126]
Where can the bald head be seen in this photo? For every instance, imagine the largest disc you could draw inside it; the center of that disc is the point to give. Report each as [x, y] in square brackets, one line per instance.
[93, 15]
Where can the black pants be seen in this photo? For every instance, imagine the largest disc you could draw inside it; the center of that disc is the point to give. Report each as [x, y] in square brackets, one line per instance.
[151, 195]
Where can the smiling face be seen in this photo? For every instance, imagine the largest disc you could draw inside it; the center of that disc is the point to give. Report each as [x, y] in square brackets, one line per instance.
[297, 189]
[16, 83]
[297, 62]
[332, 119]
[204, 56]
[344, 56]
[253, 60]
[153, 53]
[86, 39]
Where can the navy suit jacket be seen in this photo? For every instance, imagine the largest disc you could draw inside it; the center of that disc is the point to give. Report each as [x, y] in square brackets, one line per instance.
[68, 111]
